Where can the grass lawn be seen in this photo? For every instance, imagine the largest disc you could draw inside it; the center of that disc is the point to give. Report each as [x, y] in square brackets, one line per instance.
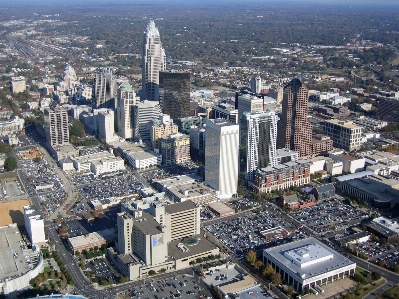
[364, 290]
[392, 293]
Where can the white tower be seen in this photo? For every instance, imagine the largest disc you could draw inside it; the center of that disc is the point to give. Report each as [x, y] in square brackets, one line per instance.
[126, 100]
[221, 156]
[154, 61]
[258, 138]
[106, 124]
[105, 88]
[34, 225]
[256, 85]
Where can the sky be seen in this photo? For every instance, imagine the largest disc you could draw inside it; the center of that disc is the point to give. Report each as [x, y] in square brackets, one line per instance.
[7, 3]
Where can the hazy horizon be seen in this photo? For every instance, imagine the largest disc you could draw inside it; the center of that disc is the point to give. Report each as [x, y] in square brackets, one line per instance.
[40, 3]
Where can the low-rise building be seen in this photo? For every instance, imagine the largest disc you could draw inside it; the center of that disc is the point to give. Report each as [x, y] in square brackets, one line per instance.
[281, 176]
[175, 149]
[10, 127]
[91, 240]
[18, 84]
[99, 163]
[345, 134]
[321, 144]
[295, 203]
[350, 164]
[324, 192]
[221, 209]
[307, 263]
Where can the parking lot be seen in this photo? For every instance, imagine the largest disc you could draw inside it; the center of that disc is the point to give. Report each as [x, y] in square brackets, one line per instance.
[329, 215]
[243, 231]
[81, 227]
[45, 183]
[101, 269]
[119, 184]
[181, 286]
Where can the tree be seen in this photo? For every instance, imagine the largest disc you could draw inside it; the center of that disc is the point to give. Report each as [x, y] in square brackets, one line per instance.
[268, 271]
[276, 278]
[375, 275]
[258, 264]
[151, 272]
[63, 230]
[10, 164]
[289, 291]
[251, 257]
[5, 148]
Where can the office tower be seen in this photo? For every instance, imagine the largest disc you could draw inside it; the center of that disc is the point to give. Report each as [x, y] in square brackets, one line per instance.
[143, 113]
[175, 149]
[197, 144]
[225, 110]
[248, 103]
[258, 134]
[344, 134]
[18, 84]
[186, 123]
[221, 156]
[70, 80]
[174, 94]
[56, 126]
[124, 223]
[295, 132]
[256, 85]
[34, 225]
[161, 128]
[105, 88]
[126, 101]
[154, 61]
[106, 129]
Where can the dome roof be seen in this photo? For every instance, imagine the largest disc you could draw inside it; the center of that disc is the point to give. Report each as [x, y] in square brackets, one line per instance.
[125, 86]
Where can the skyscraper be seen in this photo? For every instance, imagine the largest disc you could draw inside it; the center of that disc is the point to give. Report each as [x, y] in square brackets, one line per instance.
[105, 120]
[295, 132]
[125, 103]
[154, 61]
[105, 88]
[248, 103]
[56, 126]
[258, 137]
[256, 85]
[174, 94]
[221, 156]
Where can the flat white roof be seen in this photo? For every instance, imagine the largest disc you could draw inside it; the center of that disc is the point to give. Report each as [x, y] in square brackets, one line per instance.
[315, 258]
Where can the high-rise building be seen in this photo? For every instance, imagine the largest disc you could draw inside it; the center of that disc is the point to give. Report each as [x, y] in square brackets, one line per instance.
[344, 134]
[143, 113]
[106, 128]
[248, 103]
[226, 110]
[221, 156]
[197, 144]
[105, 88]
[258, 137]
[295, 131]
[126, 101]
[162, 128]
[154, 61]
[185, 123]
[18, 84]
[175, 149]
[70, 80]
[174, 94]
[34, 225]
[56, 126]
[256, 85]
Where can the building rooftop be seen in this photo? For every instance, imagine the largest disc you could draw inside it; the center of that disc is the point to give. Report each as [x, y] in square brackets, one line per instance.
[346, 124]
[203, 245]
[352, 176]
[87, 239]
[390, 224]
[308, 257]
[147, 224]
[180, 207]
[16, 258]
[220, 207]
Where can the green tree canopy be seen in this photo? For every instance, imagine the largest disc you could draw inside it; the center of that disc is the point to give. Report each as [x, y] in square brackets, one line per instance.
[10, 164]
